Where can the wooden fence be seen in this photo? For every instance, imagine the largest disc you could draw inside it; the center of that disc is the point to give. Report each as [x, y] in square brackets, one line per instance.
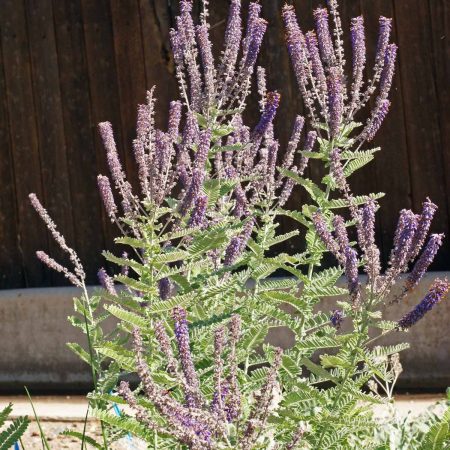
[68, 64]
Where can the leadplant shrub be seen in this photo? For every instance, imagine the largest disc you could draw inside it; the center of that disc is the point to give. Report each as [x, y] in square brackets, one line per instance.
[194, 296]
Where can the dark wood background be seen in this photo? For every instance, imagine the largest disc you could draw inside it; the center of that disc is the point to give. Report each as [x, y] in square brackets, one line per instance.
[68, 64]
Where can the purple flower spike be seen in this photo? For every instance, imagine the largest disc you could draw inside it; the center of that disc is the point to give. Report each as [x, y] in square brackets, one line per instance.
[193, 191]
[359, 59]
[336, 318]
[52, 264]
[316, 64]
[187, 364]
[366, 235]
[233, 250]
[107, 196]
[374, 123]
[270, 109]
[205, 48]
[336, 169]
[426, 258]
[165, 288]
[428, 211]
[326, 237]
[437, 292]
[254, 11]
[203, 148]
[340, 233]
[406, 229]
[388, 71]
[233, 34]
[351, 272]
[324, 36]
[174, 120]
[293, 143]
[335, 101]
[383, 40]
[106, 282]
[259, 29]
[197, 218]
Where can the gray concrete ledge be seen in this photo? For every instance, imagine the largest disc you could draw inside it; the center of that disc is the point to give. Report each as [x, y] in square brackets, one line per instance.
[34, 330]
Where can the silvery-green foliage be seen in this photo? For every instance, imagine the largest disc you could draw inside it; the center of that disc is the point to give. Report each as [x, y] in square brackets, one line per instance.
[200, 236]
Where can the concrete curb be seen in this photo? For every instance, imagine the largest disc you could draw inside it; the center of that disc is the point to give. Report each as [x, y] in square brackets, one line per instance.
[35, 329]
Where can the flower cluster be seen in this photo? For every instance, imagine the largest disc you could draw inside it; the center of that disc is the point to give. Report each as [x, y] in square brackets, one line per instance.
[319, 67]
[199, 422]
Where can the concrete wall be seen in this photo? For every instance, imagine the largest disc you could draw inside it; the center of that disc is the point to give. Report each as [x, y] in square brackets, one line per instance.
[34, 330]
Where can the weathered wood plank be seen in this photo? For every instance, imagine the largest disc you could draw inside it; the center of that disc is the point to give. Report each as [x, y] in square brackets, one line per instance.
[103, 88]
[421, 110]
[24, 138]
[10, 262]
[81, 157]
[440, 29]
[129, 56]
[50, 128]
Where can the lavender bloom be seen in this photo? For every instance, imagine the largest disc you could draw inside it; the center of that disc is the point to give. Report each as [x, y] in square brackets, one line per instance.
[187, 364]
[233, 251]
[326, 237]
[335, 101]
[336, 169]
[340, 232]
[406, 229]
[107, 196]
[106, 282]
[165, 288]
[186, 32]
[287, 190]
[205, 48]
[254, 11]
[219, 341]
[309, 144]
[166, 348]
[262, 86]
[174, 120]
[197, 218]
[437, 292]
[366, 234]
[259, 29]
[297, 436]
[270, 109]
[359, 59]
[260, 412]
[336, 318]
[183, 427]
[374, 123]
[233, 404]
[324, 36]
[317, 67]
[428, 211]
[351, 272]
[239, 194]
[383, 41]
[388, 72]
[193, 191]
[203, 148]
[57, 236]
[299, 57]
[115, 167]
[426, 258]
[52, 264]
[233, 34]
[293, 143]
